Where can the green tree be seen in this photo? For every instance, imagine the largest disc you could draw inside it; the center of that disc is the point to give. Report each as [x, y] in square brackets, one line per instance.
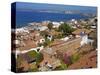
[75, 57]
[34, 54]
[50, 26]
[44, 34]
[66, 29]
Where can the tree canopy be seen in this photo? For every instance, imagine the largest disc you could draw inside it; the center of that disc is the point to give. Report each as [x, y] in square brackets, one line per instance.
[65, 29]
[50, 26]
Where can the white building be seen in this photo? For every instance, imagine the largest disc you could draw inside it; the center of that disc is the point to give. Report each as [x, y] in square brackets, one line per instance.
[50, 37]
[93, 26]
[16, 42]
[20, 30]
[42, 28]
[37, 26]
[65, 39]
[45, 23]
[86, 40]
[42, 40]
[56, 24]
[74, 21]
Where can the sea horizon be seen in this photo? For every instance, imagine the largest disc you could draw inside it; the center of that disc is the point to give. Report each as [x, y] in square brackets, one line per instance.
[38, 12]
[23, 17]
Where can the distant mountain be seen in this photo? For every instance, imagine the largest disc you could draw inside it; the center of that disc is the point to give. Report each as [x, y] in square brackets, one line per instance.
[85, 13]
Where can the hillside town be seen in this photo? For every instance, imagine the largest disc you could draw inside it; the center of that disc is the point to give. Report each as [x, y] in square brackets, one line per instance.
[51, 45]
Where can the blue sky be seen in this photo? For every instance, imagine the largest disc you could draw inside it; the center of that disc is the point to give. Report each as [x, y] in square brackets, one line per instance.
[39, 6]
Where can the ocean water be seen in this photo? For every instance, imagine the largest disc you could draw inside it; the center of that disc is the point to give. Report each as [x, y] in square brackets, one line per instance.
[25, 17]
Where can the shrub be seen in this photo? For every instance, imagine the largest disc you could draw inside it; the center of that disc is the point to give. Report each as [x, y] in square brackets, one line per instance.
[63, 66]
[32, 53]
[38, 56]
[47, 42]
[66, 29]
[19, 61]
[75, 57]
[33, 68]
[67, 59]
[50, 26]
